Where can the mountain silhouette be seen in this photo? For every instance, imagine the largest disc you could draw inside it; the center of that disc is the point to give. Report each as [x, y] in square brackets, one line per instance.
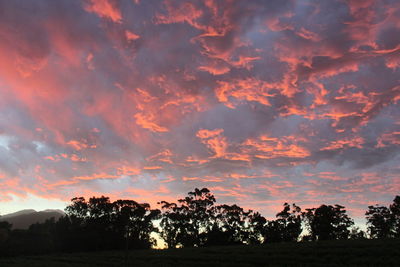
[24, 218]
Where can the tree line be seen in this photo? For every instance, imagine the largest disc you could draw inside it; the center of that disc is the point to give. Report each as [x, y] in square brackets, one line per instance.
[194, 221]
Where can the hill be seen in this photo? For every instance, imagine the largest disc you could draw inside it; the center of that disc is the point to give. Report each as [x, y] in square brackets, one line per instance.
[329, 253]
[24, 218]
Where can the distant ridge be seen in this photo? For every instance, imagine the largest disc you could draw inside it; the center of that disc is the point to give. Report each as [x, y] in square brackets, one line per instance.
[24, 218]
[18, 213]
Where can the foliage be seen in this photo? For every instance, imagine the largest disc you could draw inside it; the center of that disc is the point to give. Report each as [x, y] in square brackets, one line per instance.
[194, 221]
[230, 226]
[287, 226]
[384, 222]
[101, 224]
[395, 212]
[356, 233]
[5, 229]
[378, 221]
[93, 225]
[328, 222]
[187, 223]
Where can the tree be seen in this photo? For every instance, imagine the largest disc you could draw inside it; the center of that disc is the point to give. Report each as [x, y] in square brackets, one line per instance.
[384, 222]
[196, 221]
[395, 216]
[170, 223]
[379, 221]
[256, 228]
[135, 220]
[273, 231]
[187, 223]
[328, 222]
[356, 233]
[100, 224]
[78, 208]
[286, 227]
[97, 226]
[291, 222]
[5, 229]
[231, 225]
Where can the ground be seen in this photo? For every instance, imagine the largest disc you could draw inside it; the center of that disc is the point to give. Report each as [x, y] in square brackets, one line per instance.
[329, 253]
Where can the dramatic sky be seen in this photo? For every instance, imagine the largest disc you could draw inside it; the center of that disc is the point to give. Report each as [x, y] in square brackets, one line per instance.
[260, 101]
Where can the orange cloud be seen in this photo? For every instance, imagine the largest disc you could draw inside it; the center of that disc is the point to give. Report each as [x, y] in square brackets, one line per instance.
[146, 121]
[178, 13]
[387, 139]
[356, 142]
[238, 96]
[105, 8]
[214, 140]
[127, 170]
[77, 145]
[216, 68]
[244, 90]
[96, 176]
[130, 36]
[163, 156]
[266, 147]
[152, 167]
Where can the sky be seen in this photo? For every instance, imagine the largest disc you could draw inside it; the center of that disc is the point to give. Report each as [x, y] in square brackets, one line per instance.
[262, 102]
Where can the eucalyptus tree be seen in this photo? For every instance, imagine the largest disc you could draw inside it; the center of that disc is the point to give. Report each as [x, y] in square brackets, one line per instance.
[328, 222]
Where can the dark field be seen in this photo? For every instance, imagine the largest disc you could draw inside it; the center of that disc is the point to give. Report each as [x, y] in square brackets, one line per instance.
[329, 253]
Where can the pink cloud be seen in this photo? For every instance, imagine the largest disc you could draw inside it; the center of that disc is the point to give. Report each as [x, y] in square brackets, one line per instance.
[262, 102]
[105, 9]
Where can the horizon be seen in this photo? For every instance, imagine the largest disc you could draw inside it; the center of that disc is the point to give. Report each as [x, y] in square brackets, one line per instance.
[359, 221]
[262, 102]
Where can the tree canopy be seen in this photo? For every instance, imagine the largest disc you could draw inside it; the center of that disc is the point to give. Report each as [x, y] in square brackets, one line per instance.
[193, 221]
[328, 222]
[384, 222]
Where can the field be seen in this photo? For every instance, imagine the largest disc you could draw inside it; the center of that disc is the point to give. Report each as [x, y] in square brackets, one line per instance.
[329, 253]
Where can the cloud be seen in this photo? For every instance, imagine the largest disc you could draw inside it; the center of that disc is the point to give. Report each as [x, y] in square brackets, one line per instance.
[105, 8]
[262, 102]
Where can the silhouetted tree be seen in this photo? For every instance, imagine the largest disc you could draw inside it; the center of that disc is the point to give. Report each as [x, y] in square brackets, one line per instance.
[286, 227]
[231, 225]
[395, 214]
[78, 208]
[135, 220]
[196, 221]
[100, 224]
[187, 223]
[172, 221]
[356, 233]
[5, 229]
[291, 221]
[379, 221]
[273, 231]
[384, 222]
[42, 236]
[256, 228]
[328, 222]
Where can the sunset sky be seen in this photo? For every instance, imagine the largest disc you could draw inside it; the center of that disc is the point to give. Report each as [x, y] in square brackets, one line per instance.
[262, 102]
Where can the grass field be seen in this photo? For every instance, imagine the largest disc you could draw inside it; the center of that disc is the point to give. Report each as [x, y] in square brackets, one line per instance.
[329, 253]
